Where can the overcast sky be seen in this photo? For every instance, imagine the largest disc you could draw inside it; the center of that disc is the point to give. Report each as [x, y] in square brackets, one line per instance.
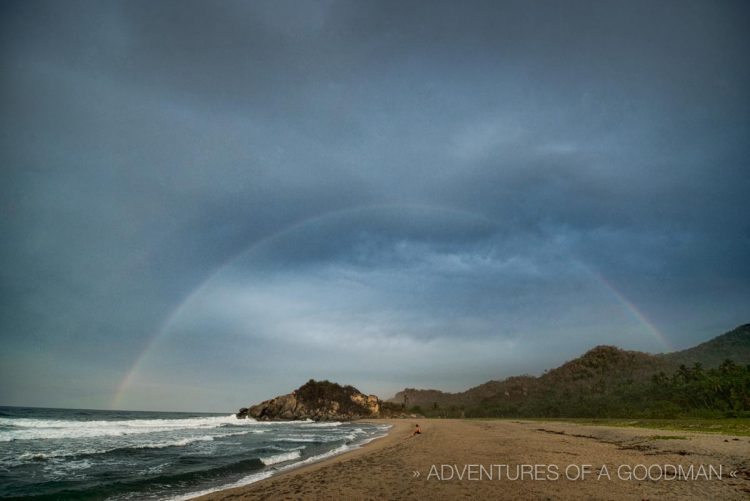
[204, 204]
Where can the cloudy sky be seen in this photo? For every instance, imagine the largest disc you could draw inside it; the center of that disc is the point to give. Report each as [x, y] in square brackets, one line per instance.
[204, 204]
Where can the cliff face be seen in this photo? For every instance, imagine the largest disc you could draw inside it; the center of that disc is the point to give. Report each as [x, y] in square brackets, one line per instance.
[316, 400]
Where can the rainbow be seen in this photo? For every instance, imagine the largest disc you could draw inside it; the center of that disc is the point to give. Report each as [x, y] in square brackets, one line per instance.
[630, 307]
[165, 326]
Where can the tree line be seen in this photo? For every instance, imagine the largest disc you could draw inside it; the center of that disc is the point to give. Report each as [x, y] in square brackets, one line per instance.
[687, 392]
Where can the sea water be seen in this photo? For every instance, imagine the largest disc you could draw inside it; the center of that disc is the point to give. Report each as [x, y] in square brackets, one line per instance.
[119, 455]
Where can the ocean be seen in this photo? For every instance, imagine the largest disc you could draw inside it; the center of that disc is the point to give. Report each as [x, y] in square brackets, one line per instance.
[122, 455]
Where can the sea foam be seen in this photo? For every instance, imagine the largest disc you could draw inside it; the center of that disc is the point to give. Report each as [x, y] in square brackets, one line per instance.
[280, 458]
[35, 429]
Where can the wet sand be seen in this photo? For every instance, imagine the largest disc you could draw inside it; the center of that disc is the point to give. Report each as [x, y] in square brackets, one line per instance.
[400, 466]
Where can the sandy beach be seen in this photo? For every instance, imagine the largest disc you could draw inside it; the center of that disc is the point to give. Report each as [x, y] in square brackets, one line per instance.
[499, 459]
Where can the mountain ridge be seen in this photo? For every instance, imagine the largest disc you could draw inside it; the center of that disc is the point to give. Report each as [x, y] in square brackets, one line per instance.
[601, 370]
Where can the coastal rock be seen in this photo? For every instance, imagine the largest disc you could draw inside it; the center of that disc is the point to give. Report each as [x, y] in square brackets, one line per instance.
[316, 400]
[370, 402]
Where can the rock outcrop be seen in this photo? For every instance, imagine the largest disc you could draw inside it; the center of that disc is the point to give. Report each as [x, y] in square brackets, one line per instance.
[316, 400]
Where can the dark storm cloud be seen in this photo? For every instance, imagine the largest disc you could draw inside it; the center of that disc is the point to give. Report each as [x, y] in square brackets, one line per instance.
[373, 172]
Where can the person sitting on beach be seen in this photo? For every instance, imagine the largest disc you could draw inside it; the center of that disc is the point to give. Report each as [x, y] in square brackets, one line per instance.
[417, 430]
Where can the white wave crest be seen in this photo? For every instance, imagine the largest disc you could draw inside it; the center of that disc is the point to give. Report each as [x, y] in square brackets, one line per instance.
[255, 477]
[174, 443]
[43, 456]
[189, 440]
[331, 424]
[35, 429]
[280, 458]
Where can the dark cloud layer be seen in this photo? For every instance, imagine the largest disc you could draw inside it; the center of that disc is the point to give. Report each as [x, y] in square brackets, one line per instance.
[387, 194]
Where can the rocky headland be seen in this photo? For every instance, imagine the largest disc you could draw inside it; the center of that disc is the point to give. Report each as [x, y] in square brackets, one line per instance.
[316, 400]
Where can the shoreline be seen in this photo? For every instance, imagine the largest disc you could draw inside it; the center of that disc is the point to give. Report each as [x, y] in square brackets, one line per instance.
[399, 466]
[392, 435]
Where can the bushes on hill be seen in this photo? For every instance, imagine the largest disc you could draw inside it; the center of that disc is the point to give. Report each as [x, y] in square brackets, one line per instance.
[689, 391]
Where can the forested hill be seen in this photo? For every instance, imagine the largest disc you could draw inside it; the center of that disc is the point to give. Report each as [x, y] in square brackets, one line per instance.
[734, 345]
[609, 381]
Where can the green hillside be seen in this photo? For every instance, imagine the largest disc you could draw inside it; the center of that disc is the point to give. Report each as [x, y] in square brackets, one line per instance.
[711, 379]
